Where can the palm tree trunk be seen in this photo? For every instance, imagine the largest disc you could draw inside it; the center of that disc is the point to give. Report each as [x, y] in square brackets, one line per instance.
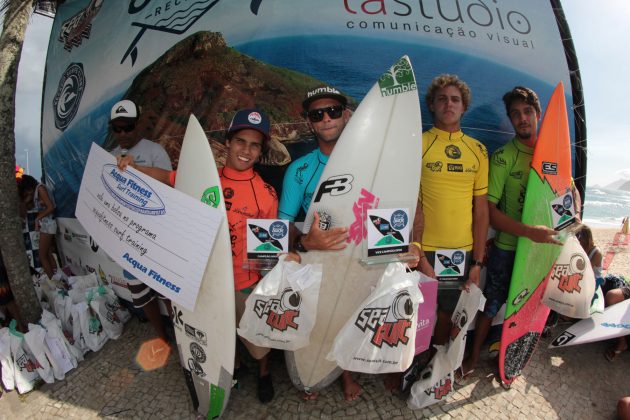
[13, 251]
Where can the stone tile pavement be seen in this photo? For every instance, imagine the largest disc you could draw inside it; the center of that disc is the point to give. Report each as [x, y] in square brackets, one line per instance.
[572, 383]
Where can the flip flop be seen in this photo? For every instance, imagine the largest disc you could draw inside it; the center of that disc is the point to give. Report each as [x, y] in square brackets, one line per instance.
[462, 378]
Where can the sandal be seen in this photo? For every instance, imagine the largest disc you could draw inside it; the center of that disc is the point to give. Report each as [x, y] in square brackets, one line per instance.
[462, 378]
[611, 354]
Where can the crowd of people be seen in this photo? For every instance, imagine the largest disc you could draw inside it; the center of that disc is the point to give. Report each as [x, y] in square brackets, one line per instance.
[458, 200]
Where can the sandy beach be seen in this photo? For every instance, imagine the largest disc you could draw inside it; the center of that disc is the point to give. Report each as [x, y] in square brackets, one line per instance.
[603, 238]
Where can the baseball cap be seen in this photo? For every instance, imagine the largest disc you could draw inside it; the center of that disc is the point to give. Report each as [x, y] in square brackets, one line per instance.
[253, 118]
[323, 92]
[124, 109]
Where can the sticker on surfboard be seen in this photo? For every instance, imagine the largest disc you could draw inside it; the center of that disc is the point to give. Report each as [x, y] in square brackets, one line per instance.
[398, 79]
[562, 211]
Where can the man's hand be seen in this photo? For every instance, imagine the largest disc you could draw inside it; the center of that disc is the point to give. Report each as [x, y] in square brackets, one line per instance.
[542, 235]
[474, 275]
[124, 161]
[293, 256]
[325, 240]
[420, 261]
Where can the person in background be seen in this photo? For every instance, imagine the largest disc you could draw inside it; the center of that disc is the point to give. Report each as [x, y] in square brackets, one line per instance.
[37, 196]
[123, 124]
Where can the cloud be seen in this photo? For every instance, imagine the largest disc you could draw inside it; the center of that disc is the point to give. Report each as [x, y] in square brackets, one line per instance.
[624, 173]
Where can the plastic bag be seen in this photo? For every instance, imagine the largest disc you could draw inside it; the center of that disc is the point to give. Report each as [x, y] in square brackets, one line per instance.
[435, 383]
[40, 284]
[83, 282]
[426, 312]
[24, 363]
[106, 306]
[91, 328]
[597, 305]
[35, 341]
[63, 356]
[571, 284]
[380, 336]
[280, 313]
[6, 360]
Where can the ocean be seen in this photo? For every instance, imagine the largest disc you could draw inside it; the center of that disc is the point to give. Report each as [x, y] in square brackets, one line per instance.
[605, 208]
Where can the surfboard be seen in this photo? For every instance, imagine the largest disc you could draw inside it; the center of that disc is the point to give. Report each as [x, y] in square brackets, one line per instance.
[375, 164]
[620, 242]
[612, 323]
[206, 337]
[549, 202]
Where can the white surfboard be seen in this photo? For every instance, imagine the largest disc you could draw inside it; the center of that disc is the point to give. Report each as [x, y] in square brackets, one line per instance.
[613, 323]
[206, 337]
[376, 163]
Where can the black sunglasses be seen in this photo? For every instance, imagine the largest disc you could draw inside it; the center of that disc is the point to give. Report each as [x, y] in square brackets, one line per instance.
[334, 112]
[126, 128]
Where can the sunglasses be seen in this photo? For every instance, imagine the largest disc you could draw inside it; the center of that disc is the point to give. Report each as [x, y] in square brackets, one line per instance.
[126, 128]
[334, 112]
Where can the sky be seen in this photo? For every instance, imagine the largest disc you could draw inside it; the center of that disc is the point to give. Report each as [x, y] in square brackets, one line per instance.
[600, 36]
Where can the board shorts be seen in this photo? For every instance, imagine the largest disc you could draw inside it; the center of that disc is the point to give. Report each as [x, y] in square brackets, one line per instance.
[498, 276]
[141, 294]
[449, 290]
[626, 292]
[240, 296]
[48, 225]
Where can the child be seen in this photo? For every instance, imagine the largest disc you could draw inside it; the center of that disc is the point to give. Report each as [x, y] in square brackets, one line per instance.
[37, 196]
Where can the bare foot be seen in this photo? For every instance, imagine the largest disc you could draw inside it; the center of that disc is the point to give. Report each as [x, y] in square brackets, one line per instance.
[309, 396]
[392, 382]
[351, 389]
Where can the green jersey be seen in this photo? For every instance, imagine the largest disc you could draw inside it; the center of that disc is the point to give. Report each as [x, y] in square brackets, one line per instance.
[507, 181]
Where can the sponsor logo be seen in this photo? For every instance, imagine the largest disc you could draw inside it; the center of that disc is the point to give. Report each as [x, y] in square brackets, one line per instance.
[67, 235]
[196, 351]
[357, 231]
[452, 265]
[254, 118]
[483, 150]
[278, 230]
[79, 26]
[269, 242]
[569, 275]
[196, 334]
[93, 245]
[563, 339]
[520, 297]
[335, 185]
[434, 166]
[461, 318]
[195, 368]
[178, 317]
[455, 167]
[441, 389]
[325, 220]
[472, 169]
[399, 219]
[211, 197]
[68, 97]
[228, 193]
[25, 363]
[388, 325]
[399, 79]
[280, 314]
[562, 211]
[173, 17]
[516, 174]
[497, 158]
[131, 191]
[299, 173]
[452, 151]
[549, 168]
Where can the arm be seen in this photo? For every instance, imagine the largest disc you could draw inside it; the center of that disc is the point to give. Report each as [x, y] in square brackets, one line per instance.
[504, 223]
[159, 174]
[50, 207]
[480, 233]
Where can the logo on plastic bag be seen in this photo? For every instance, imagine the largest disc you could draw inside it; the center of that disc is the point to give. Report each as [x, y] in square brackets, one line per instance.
[569, 275]
[280, 313]
[389, 325]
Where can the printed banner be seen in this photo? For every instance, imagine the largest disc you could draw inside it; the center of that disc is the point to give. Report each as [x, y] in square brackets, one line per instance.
[156, 233]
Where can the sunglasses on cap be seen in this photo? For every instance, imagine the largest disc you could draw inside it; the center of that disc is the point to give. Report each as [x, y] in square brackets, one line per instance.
[334, 112]
[126, 128]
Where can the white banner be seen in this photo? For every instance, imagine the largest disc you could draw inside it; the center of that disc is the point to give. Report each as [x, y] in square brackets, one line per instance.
[156, 233]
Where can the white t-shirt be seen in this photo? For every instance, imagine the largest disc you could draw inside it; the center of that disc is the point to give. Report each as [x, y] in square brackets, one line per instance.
[147, 153]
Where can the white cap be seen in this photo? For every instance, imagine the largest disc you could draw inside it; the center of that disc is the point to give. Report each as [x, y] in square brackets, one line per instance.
[124, 109]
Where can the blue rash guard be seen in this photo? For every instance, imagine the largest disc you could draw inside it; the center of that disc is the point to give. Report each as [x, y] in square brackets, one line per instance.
[300, 181]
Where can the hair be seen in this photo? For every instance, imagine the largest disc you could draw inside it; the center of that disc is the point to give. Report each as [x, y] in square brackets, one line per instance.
[444, 80]
[27, 185]
[520, 93]
[584, 234]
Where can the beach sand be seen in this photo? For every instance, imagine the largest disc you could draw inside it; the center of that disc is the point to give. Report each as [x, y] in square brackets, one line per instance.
[603, 238]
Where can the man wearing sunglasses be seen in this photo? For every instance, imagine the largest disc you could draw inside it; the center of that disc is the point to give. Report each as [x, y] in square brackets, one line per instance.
[123, 124]
[325, 111]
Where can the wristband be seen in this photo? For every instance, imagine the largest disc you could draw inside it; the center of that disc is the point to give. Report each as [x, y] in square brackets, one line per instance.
[298, 245]
[478, 263]
[418, 245]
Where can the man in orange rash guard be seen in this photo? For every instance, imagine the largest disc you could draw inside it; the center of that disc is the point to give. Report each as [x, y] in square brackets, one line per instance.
[246, 196]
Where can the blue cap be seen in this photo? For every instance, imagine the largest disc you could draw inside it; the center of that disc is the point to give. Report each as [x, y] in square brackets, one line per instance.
[253, 118]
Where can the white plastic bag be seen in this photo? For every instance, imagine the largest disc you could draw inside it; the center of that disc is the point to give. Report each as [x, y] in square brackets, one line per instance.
[435, 383]
[465, 311]
[280, 313]
[571, 284]
[380, 336]
[83, 282]
[92, 331]
[597, 305]
[35, 341]
[63, 356]
[6, 360]
[75, 320]
[41, 290]
[106, 306]
[25, 365]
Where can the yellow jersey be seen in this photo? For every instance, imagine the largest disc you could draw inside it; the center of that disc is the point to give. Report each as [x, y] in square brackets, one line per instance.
[454, 169]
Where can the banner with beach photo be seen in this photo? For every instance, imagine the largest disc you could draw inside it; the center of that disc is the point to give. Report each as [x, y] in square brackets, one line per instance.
[212, 57]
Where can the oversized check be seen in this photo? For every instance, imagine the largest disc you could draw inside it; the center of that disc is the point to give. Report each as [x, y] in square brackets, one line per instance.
[158, 234]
